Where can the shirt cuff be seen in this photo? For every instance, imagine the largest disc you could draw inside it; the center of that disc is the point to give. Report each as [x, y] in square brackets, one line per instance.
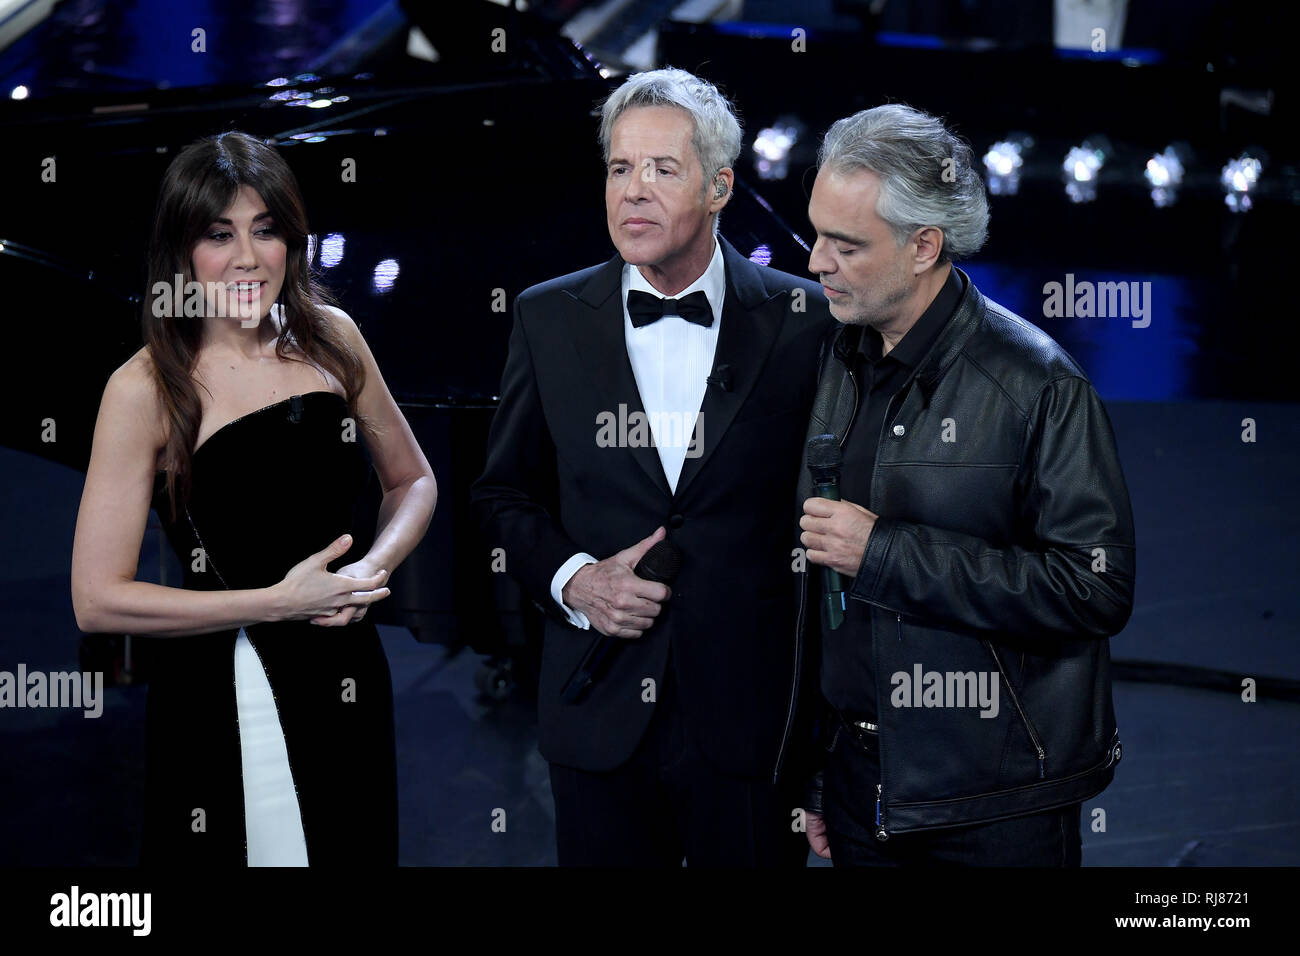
[567, 570]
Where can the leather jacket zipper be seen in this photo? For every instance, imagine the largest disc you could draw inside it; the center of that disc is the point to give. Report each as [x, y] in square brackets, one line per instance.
[1015, 699]
[854, 414]
[882, 833]
[798, 624]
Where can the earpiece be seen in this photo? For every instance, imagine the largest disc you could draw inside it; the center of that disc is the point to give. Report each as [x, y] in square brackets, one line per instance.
[721, 189]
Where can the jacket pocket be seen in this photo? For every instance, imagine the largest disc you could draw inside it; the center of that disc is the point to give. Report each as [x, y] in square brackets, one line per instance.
[1034, 738]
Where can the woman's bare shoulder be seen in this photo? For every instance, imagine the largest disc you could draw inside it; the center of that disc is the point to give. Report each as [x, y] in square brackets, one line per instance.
[343, 322]
[135, 377]
[132, 391]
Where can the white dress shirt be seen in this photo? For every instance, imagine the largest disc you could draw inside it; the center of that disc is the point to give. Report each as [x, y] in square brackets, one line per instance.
[671, 359]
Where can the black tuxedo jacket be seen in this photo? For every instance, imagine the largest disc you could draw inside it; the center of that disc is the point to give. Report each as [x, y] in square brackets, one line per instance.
[550, 490]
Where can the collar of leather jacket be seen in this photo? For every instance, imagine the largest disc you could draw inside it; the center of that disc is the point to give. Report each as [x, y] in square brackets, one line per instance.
[833, 403]
[966, 318]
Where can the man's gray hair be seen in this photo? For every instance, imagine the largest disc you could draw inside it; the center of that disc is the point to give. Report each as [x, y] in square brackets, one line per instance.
[717, 131]
[927, 174]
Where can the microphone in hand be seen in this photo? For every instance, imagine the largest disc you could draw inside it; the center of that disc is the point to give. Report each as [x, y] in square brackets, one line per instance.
[824, 461]
[661, 564]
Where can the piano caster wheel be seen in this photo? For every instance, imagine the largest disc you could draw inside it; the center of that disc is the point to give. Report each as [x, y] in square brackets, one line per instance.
[495, 680]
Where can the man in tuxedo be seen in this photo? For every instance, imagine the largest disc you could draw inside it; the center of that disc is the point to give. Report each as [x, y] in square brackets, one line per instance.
[663, 394]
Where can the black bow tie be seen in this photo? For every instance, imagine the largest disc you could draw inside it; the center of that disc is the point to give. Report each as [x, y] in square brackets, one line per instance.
[645, 308]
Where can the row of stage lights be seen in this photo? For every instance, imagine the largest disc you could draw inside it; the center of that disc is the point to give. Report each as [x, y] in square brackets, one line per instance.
[1080, 168]
[1083, 163]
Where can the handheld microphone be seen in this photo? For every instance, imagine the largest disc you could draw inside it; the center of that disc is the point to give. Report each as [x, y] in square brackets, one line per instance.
[824, 461]
[660, 564]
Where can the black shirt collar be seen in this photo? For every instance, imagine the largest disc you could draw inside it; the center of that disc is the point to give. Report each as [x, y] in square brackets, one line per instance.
[916, 342]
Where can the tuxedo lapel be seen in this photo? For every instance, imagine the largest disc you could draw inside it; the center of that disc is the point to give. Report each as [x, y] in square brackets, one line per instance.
[602, 347]
[750, 320]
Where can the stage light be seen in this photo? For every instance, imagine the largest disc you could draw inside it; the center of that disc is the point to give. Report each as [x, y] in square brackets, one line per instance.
[278, 81]
[772, 148]
[1002, 165]
[319, 104]
[1238, 178]
[1082, 166]
[1164, 173]
[762, 254]
[385, 275]
[1003, 159]
[19, 92]
[331, 250]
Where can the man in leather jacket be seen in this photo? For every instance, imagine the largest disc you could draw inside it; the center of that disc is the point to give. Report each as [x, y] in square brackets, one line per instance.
[985, 537]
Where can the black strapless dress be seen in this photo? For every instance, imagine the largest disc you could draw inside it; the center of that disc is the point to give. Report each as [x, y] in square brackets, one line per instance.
[270, 489]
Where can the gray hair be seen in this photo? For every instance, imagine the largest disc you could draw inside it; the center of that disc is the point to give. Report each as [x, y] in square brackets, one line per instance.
[927, 174]
[717, 131]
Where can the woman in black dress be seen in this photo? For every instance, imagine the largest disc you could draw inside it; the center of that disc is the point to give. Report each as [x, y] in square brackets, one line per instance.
[270, 721]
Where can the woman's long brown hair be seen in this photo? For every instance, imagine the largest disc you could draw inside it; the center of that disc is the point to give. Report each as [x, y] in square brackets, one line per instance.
[199, 185]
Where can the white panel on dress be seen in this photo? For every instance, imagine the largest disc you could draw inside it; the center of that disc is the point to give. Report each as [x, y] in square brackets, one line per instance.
[272, 819]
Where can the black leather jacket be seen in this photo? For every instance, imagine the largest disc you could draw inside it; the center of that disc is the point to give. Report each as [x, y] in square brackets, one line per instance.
[1004, 544]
